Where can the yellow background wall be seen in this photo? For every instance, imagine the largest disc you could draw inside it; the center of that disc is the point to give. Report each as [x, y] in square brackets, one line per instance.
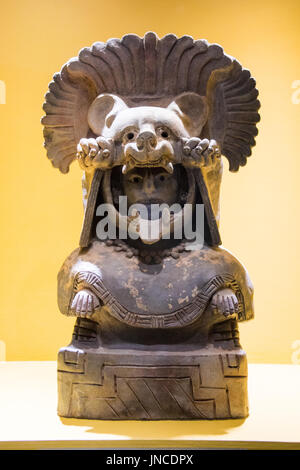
[41, 210]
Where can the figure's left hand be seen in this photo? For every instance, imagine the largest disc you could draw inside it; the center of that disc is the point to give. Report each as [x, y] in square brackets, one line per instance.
[224, 302]
[200, 152]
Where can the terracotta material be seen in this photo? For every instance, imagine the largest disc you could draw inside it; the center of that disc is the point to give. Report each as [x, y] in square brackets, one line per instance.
[156, 334]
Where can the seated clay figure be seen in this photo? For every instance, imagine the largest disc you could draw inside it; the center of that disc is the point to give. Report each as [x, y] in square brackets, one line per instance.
[146, 186]
[156, 334]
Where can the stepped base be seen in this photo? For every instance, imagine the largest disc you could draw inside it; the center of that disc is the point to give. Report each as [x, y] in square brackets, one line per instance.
[145, 385]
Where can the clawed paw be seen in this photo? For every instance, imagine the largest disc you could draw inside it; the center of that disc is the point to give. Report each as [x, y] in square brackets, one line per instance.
[225, 302]
[96, 153]
[201, 152]
[84, 304]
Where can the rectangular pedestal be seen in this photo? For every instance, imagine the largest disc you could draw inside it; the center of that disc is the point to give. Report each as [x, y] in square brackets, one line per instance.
[28, 410]
[142, 385]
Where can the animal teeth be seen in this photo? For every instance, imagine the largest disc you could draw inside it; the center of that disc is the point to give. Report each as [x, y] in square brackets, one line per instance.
[128, 166]
[163, 162]
[169, 167]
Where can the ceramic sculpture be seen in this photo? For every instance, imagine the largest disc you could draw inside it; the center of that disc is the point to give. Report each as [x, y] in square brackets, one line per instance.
[157, 300]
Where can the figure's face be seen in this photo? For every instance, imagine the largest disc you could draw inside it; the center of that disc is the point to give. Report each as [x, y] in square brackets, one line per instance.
[150, 186]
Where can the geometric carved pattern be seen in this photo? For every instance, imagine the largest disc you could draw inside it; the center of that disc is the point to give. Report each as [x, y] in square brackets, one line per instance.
[145, 398]
[176, 319]
[200, 386]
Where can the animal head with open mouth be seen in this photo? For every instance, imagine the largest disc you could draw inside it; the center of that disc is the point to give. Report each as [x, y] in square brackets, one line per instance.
[147, 136]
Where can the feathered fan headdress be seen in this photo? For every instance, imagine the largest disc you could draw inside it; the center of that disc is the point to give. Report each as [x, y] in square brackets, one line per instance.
[145, 71]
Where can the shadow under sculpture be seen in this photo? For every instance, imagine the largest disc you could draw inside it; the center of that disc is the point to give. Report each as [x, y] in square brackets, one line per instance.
[156, 332]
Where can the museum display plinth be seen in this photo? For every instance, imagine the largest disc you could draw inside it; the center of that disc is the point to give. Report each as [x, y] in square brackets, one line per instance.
[28, 404]
[116, 384]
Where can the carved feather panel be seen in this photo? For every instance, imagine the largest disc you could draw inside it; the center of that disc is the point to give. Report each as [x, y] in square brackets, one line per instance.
[152, 71]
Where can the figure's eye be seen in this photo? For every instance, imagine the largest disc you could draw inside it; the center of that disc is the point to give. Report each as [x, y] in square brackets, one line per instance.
[128, 135]
[135, 179]
[162, 177]
[163, 132]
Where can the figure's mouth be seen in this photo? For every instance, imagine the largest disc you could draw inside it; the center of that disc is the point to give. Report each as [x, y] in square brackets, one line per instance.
[158, 157]
[148, 202]
[163, 162]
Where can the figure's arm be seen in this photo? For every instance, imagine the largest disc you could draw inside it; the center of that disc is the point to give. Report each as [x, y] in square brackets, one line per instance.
[85, 302]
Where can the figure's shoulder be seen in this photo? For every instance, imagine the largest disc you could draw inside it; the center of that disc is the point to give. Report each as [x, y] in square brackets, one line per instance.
[207, 253]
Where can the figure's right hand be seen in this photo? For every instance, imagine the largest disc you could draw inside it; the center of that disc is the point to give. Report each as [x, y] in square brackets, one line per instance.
[84, 304]
[95, 153]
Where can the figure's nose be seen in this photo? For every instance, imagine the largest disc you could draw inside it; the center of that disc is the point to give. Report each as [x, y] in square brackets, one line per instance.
[148, 184]
[146, 140]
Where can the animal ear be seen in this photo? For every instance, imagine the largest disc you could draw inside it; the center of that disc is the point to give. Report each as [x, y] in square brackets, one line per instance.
[192, 110]
[103, 111]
